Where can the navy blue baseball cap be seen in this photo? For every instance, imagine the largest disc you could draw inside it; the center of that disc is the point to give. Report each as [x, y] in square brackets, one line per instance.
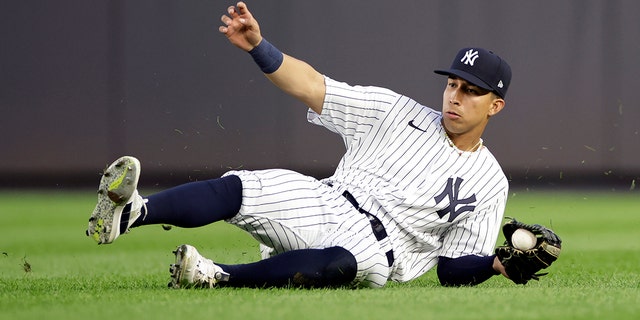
[482, 68]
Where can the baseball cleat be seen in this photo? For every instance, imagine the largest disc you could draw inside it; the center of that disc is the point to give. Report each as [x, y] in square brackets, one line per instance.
[119, 203]
[192, 270]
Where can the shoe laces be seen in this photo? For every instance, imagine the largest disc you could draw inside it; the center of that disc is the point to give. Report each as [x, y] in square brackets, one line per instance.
[137, 205]
[144, 206]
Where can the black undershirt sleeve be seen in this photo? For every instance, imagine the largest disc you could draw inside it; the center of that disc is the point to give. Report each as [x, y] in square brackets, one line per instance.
[465, 271]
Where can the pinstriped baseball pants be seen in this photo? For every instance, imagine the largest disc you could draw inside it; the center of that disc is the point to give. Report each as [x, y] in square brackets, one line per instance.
[285, 210]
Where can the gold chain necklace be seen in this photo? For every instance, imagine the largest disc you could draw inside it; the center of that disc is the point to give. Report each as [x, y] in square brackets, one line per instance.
[460, 152]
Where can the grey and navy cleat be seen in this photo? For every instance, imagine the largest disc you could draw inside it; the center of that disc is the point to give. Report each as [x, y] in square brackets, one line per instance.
[191, 270]
[119, 203]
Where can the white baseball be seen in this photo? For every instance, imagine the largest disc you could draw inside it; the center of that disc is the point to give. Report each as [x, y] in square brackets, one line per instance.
[523, 239]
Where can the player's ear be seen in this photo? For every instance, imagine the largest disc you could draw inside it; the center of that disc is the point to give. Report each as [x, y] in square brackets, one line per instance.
[497, 104]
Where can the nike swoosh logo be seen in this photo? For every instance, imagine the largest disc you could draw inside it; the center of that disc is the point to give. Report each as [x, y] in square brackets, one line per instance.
[415, 127]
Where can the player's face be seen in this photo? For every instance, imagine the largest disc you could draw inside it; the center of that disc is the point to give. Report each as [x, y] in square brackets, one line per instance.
[466, 108]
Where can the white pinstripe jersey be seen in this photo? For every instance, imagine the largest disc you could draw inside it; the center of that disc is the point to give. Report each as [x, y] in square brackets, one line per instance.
[400, 166]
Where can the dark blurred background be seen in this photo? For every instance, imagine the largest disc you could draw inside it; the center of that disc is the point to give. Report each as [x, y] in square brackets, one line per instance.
[84, 82]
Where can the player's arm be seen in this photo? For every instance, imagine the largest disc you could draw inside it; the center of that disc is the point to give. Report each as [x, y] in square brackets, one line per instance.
[468, 270]
[474, 262]
[293, 76]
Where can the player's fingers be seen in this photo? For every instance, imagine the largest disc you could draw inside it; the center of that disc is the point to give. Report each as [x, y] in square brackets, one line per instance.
[242, 12]
[232, 12]
[242, 7]
[226, 20]
[234, 16]
[229, 23]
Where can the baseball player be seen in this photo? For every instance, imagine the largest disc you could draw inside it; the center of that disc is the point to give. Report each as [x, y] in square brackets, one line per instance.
[416, 188]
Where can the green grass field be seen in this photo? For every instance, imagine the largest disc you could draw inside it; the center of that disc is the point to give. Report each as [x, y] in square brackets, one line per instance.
[50, 269]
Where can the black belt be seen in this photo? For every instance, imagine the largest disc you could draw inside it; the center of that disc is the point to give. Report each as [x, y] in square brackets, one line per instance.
[376, 224]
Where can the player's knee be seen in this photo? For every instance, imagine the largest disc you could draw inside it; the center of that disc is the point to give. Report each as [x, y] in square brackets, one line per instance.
[342, 267]
[333, 267]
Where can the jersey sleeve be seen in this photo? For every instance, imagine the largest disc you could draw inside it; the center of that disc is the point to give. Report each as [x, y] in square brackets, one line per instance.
[351, 111]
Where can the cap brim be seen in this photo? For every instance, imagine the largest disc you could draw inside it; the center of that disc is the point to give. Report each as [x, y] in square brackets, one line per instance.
[466, 76]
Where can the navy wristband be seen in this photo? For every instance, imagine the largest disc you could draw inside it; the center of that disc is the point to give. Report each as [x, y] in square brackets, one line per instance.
[268, 57]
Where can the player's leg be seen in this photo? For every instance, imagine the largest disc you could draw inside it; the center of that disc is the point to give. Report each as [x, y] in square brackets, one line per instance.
[330, 267]
[307, 268]
[356, 236]
[362, 265]
[194, 204]
[120, 207]
[286, 211]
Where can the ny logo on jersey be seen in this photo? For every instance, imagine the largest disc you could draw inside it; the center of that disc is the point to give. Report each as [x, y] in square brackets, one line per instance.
[451, 191]
[470, 57]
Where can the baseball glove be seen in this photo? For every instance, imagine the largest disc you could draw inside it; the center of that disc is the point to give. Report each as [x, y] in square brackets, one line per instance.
[524, 265]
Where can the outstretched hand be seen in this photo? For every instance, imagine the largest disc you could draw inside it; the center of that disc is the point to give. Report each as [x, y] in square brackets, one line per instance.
[240, 27]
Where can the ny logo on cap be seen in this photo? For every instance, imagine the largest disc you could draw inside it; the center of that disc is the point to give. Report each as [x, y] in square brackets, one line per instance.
[469, 57]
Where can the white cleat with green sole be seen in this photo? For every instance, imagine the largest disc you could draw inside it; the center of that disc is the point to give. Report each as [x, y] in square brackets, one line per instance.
[119, 203]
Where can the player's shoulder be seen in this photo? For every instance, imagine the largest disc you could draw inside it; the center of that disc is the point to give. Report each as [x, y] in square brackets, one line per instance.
[491, 163]
[341, 86]
[488, 154]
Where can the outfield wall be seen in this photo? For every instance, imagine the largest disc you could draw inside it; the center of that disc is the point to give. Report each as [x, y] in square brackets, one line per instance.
[82, 82]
